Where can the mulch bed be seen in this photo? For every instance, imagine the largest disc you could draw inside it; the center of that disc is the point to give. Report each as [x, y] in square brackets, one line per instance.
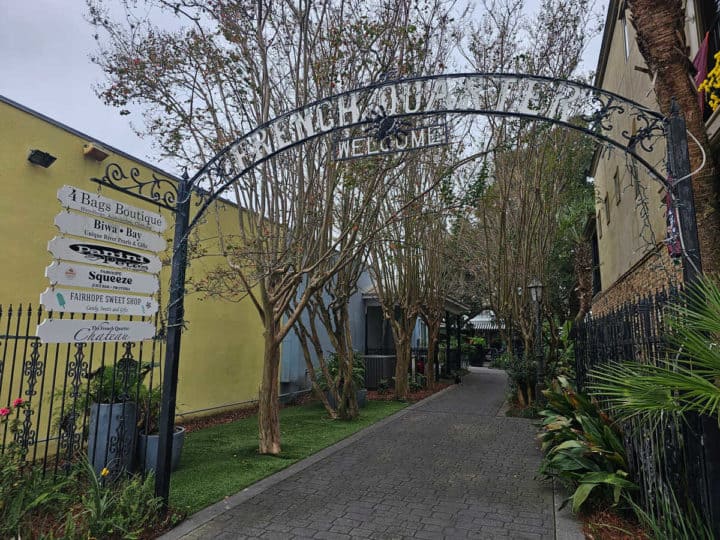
[607, 524]
[417, 395]
[226, 417]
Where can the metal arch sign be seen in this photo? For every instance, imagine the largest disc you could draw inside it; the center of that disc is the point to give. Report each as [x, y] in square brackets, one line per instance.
[556, 101]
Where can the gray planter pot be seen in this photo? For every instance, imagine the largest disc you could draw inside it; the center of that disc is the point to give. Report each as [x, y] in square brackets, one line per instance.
[360, 395]
[147, 449]
[111, 436]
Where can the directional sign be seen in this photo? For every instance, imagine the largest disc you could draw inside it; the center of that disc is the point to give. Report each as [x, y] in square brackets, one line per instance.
[94, 277]
[109, 231]
[97, 205]
[78, 331]
[90, 252]
[80, 301]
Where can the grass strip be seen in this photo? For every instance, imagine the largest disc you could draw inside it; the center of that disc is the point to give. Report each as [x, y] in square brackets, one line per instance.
[221, 460]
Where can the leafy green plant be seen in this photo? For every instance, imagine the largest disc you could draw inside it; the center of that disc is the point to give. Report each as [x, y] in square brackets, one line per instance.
[417, 382]
[688, 380]
[583, 447]
[673, 520]
[149, 410]
[521, 373]
[333, 366]
[384, 386]
[23, 490]
[125, 507]
[119, 382]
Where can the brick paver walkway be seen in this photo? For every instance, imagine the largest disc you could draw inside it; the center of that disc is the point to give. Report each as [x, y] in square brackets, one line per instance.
[453, 466]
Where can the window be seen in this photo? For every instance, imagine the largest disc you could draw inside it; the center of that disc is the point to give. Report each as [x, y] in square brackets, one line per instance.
[626, 36]
[598, 221]
[606, 202]
[616, 183]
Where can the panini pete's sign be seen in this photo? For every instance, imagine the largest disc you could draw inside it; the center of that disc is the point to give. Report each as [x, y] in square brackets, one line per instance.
[97, 205]
[500, 94]
[87, 252]
[109, 231]
[79, 331]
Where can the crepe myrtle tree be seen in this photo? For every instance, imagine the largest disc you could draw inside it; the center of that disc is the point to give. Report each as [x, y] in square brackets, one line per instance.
[201, 74]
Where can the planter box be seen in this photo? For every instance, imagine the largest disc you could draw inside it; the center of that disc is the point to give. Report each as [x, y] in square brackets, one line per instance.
[147, 449]
[111, 436]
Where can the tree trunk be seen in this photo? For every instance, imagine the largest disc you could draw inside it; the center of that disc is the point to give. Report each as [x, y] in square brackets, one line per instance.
[661, 40]
[402, 363]
[269, 405]
[433, 335]
[583, 272]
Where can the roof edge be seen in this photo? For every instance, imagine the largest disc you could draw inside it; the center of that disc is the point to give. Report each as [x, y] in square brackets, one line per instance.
[85, 136]
[613, 9]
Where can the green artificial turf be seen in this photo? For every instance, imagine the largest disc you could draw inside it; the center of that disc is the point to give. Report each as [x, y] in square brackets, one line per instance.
[221, 460]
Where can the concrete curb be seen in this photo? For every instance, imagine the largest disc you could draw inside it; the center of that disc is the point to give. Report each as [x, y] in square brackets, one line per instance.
[200, 518]
[567, 527]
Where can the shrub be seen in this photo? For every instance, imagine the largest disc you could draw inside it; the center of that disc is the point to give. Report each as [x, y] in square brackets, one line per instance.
[583, 447]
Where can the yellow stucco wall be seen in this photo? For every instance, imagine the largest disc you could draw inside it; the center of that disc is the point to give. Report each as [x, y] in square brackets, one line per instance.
[222, 348]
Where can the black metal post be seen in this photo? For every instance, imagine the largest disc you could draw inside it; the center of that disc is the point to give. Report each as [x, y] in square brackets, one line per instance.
[172, 351]
[447, 342]
[703, 444]
[539, 356]
[458, 322]
[679, 167]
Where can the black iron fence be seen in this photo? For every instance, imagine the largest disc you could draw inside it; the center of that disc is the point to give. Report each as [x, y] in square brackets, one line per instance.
[82, 397]
[667, 459]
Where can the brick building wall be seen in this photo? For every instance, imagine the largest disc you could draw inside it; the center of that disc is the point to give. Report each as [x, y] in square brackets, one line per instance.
[654, 272]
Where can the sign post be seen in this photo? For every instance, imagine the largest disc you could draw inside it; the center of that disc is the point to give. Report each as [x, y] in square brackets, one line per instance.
[176, 313]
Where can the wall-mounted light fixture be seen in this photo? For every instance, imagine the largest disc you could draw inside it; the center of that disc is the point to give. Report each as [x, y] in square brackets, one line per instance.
[38, 157]
[95, 151]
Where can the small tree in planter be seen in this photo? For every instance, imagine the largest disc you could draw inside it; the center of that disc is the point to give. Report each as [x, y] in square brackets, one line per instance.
[333, 388]
[113, 413]
[149, 431]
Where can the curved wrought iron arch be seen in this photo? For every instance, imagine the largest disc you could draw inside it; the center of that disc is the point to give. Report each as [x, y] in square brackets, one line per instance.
[608, 107]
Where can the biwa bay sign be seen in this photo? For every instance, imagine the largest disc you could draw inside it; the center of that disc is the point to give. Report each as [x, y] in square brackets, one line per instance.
[109, 231]
[90, 252]
[94, 277]
[88, 331]
[104, 207]
[102, 303]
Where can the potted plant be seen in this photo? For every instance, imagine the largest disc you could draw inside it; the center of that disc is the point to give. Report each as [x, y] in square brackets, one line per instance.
[113, 414]
[149, 431]
[358, 377]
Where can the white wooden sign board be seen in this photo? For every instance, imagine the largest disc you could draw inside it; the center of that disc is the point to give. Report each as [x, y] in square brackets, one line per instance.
[95, 277]
[84, 301]
[97, 205]
[71, 249]
[78, 331]
[109, 231]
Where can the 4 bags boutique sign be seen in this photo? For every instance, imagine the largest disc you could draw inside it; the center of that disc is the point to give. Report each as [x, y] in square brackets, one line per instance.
[109, 278]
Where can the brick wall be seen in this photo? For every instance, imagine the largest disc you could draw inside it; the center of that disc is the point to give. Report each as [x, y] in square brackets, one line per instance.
[652, 273]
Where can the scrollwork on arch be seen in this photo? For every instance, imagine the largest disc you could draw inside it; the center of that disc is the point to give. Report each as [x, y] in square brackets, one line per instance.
[159, 190]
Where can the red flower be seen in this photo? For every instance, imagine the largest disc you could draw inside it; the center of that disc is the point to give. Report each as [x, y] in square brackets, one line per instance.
[18, 401]
[4, 411]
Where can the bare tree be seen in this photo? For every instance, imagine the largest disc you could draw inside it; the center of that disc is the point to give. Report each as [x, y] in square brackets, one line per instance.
[224, 68]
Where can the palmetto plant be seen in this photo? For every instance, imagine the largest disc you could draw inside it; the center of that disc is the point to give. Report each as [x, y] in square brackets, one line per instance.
[688, 379]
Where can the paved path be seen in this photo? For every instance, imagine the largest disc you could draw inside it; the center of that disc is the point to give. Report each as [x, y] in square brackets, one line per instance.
[452, 466]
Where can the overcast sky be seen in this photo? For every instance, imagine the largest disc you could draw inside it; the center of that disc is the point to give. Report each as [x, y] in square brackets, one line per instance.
[44, 65]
